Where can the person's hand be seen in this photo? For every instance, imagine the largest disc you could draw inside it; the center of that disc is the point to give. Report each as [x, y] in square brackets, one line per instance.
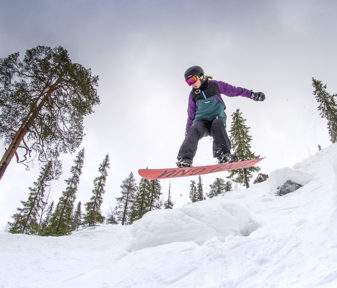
[257, 96]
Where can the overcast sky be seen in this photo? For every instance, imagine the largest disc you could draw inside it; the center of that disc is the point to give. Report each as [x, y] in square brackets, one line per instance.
[140, 50]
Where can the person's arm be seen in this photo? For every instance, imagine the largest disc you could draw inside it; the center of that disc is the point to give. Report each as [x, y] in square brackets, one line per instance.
[232, 91]
[191, 110]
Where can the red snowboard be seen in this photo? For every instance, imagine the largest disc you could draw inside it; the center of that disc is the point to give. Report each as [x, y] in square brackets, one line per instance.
[192, 171]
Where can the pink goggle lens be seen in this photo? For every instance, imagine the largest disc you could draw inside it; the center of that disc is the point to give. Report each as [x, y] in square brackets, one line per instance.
[190, 81]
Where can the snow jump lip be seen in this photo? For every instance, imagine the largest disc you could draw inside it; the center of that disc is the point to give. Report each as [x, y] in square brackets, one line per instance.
[154, 174]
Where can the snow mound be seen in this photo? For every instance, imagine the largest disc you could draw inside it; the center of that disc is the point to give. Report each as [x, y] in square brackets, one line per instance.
[280, 176]
[198, 222]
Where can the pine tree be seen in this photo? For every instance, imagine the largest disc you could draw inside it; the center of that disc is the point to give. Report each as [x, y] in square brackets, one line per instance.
[240, 140]
[228, 186]
[147, 199]
[42, 213]
[327, 107]
[78, 217]
[44, 224]
[168, 204]
[111, 219]
[200, 191]
[124, 203]
[26, 220]
[93, 207]
[193, 191]
[61, 222]
[217, 188]
[141, 203]
[196, 191]
[155, 195]
[43, 100]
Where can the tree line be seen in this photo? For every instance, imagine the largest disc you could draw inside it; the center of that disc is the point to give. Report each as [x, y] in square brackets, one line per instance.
[219, 187]
[38, 217]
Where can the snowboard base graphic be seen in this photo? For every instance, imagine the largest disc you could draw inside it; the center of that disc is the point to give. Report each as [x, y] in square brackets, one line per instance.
[193, 171]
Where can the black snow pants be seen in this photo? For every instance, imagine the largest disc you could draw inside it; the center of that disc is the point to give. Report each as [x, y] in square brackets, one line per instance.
[200, 129]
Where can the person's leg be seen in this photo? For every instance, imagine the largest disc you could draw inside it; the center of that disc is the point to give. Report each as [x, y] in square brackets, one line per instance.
[221, 142]
[189, 147]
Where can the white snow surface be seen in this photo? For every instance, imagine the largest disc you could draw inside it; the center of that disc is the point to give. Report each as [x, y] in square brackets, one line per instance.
[246, 238]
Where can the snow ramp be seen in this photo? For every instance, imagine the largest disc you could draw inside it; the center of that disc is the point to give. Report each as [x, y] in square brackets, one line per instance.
[198, 222]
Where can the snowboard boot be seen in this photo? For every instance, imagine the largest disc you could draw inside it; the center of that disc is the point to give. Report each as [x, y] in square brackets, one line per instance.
[227, 158]
[184, 162]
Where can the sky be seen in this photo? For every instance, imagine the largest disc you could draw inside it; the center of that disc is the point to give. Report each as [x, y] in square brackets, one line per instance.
[140, 50]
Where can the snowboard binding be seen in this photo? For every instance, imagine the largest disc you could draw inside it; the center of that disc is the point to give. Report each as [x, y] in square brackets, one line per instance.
[184, 162]
[227, 158]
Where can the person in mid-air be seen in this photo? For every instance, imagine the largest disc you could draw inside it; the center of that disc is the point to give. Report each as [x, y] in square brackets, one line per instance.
[207, 117]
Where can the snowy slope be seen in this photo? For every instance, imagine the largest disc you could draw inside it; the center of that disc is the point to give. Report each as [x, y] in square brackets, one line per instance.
[247, 238]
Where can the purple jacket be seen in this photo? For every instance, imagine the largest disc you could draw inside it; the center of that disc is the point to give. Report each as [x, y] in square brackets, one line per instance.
[224, 88]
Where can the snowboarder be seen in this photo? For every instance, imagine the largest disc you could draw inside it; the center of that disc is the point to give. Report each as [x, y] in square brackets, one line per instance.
[207, 117]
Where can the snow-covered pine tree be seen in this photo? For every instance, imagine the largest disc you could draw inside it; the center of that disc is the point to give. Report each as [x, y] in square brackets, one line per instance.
[217, 188]
[193, 191]
[93, 207]
[327, 107]
[78, 216]
[240, 140]
[168, 204]
[124, 203]
[26, 220]
[61, 222]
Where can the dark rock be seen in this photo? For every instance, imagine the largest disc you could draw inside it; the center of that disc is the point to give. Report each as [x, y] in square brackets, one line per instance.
[288, 187]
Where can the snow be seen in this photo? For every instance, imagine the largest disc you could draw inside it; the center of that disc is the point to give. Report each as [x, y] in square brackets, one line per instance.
[198, 222]
[246, 238]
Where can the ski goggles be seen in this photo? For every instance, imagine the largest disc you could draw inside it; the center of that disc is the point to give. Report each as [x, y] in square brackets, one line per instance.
[191, 80]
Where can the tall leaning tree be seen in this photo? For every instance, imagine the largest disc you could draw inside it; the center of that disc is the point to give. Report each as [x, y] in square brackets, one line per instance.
[43, 100]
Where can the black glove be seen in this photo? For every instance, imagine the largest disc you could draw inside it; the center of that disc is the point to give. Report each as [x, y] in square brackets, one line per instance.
[257, 96]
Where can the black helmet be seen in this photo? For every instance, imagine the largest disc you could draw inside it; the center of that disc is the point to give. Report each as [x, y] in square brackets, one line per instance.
[194, 71]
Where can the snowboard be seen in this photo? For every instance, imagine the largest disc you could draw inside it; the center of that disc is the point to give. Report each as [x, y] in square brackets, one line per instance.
[193, 171]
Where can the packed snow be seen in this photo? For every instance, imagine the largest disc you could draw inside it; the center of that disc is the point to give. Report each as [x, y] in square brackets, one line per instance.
[245, 238]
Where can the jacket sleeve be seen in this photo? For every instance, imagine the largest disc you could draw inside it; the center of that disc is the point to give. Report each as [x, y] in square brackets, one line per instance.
[233, 91]
[191, 110]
